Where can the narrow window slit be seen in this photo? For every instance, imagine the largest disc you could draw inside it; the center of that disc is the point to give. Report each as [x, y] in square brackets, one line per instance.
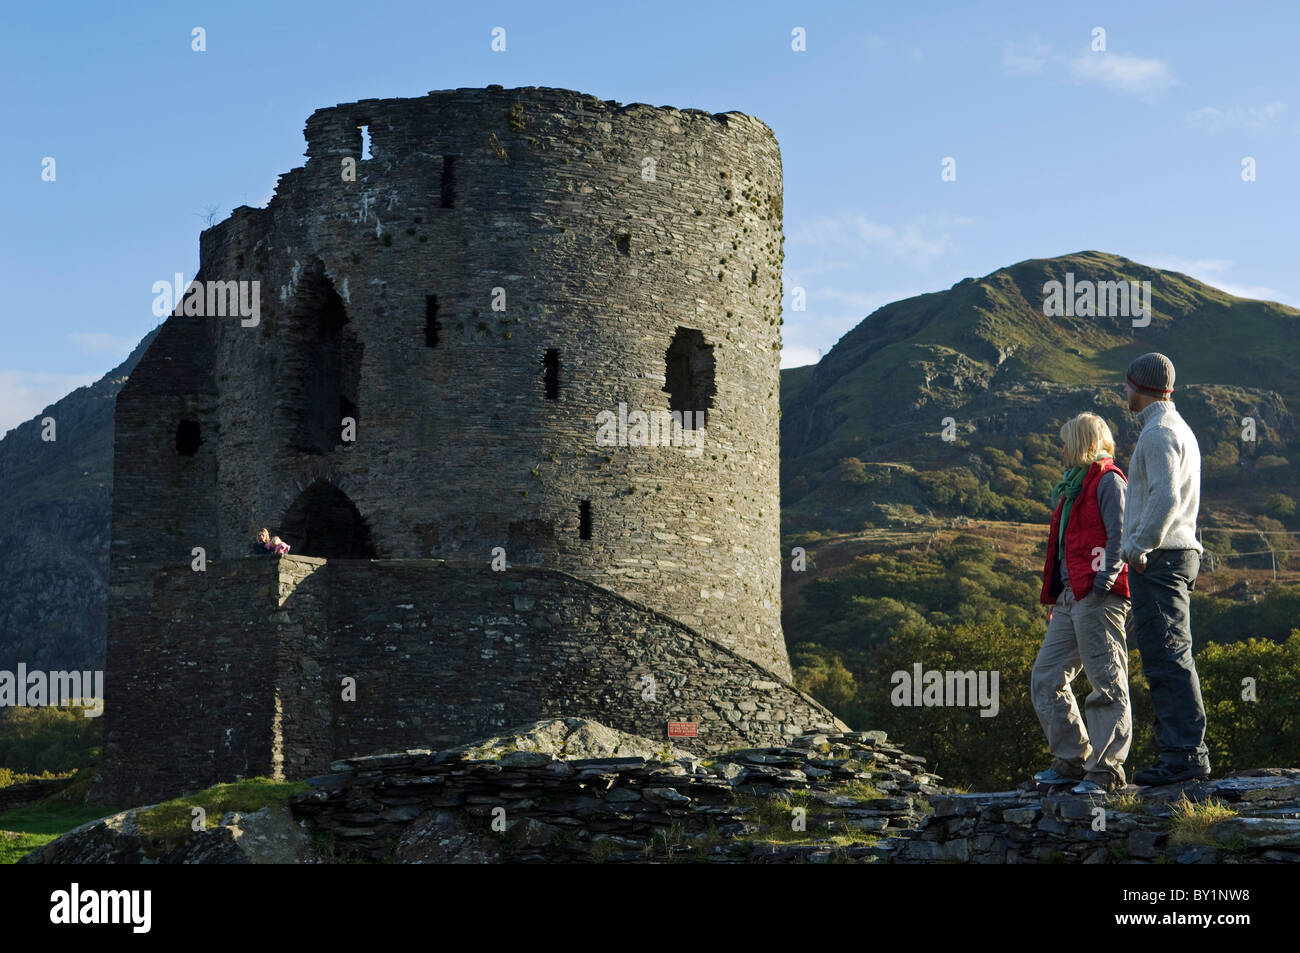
[551, 373]
[431, 321]
[584, 519]
[448, 181]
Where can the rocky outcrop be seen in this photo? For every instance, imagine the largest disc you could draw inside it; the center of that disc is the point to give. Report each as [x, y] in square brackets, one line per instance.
[567, 739]
[572, 790]
[268, 836]
[562, 790]
[1031, 827]
[825, 796]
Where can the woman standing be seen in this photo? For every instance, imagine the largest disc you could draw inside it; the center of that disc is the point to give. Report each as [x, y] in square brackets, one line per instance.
[1086, 585]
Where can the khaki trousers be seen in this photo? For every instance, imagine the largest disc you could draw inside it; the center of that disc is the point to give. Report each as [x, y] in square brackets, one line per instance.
[1087, 634]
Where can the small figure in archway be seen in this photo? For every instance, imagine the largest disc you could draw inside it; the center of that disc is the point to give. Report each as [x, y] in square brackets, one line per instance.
[268, 545]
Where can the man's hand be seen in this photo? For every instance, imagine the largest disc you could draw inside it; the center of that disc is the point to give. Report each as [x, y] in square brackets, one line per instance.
[1140, 565]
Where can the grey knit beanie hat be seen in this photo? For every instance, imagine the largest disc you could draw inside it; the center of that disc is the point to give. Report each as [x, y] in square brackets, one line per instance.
[1152, 374]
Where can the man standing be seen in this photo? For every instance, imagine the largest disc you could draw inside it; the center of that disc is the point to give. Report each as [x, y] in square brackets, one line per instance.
[1160, 546]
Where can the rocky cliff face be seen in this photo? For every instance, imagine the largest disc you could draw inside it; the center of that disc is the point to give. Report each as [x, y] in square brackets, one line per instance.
[54, 526]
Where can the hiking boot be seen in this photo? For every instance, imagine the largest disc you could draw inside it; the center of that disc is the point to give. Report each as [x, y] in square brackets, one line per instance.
[1165, 773]
[1061, 772]
[1088, 787]
[1098, 782]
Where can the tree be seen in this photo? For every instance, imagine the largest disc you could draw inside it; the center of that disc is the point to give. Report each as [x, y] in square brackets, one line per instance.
[1279, 506]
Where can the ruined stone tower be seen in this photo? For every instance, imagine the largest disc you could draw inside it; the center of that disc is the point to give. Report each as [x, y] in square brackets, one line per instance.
[443, 319]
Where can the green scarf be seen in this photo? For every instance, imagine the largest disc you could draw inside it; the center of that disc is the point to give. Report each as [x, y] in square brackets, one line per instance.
[1068, 488]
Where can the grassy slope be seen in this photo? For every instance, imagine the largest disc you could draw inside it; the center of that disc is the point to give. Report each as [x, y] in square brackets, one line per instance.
[26, 828]
[163, 827]
[891, 379]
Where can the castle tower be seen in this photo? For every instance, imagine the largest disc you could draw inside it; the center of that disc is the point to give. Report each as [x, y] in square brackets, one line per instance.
[453, 294]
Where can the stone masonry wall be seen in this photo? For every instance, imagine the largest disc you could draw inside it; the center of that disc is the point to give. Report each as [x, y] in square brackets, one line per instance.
[253, 653]
[543, 193]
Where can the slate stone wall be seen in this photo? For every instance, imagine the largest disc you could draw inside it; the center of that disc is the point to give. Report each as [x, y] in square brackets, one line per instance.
[249, 661]
[546, 195]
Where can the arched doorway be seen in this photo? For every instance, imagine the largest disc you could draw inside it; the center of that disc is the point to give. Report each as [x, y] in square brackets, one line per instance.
[323, 522]
[321, 377]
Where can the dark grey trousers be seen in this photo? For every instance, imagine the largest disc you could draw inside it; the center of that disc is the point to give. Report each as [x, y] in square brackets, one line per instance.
[1162, 629]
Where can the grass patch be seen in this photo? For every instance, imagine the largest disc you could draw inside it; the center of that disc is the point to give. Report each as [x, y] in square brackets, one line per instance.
[857, 788]
[1128, 803]
[1192, 820]
[36, 824]
[329, 851]
[14, 846]
[775, 815]
[852, 837]
[166, 826]
[665, 842]
[600, 850]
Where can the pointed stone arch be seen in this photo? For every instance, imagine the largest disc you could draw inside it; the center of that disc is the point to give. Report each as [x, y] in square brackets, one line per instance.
[322, 373]
[324, 522]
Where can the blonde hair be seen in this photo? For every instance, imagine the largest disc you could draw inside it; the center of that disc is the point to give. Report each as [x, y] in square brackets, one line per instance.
[264, 532]
[1086, 436]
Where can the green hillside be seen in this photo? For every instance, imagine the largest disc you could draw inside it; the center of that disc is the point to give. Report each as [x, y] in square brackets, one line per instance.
[55, 506]
[985, 354]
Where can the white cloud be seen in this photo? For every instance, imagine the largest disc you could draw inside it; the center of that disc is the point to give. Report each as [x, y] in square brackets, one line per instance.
[97, 342]
[1020, 59]
[854, 302]
[1236, 117]
[1213, 271]
[832, 313]
[24, 394]
[798, 356]
[1143, 77]
[831, 257]
[1256, 292]
[856, 235]
[1147, 79]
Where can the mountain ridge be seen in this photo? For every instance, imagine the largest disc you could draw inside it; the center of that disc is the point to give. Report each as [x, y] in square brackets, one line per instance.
[984, 357]
[55, 511]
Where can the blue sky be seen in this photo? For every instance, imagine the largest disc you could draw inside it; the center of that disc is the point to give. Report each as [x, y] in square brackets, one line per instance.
[1136, 150]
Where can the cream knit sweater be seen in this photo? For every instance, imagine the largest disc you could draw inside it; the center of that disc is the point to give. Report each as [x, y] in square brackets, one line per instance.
[1164, 485]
